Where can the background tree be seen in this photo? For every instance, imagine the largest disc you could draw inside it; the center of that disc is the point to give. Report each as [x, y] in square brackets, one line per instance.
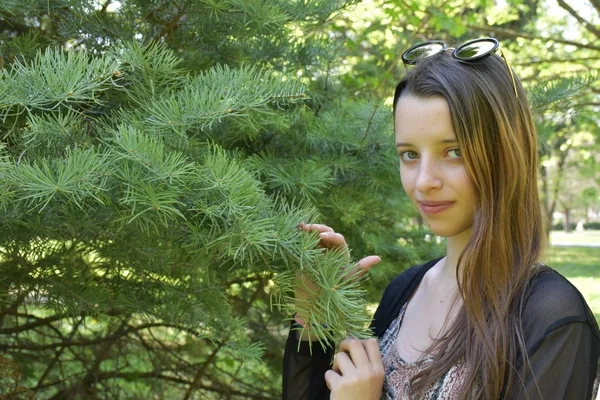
[558, 56]
[577, 196]
[551, 46]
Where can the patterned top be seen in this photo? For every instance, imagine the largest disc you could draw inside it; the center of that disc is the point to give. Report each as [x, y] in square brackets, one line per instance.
[399, 372]
[561, 334]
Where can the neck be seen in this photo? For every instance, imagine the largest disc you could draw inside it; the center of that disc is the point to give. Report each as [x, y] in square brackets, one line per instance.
[454, 248]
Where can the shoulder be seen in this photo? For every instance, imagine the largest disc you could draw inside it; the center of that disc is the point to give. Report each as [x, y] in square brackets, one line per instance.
[552, 301]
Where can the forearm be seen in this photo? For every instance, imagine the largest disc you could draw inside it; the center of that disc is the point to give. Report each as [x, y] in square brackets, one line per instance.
[304, 365]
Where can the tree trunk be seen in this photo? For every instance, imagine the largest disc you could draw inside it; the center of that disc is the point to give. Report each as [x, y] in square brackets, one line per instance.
[567, 225]
[545, 199]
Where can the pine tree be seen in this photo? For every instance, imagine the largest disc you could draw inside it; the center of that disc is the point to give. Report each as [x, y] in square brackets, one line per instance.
[155, 160]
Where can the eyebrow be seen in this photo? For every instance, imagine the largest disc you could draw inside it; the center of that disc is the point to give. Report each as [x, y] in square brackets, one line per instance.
[404, 144]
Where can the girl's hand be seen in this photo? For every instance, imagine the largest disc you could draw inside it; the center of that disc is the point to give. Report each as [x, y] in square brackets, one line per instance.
[329, 240]
[357, 372]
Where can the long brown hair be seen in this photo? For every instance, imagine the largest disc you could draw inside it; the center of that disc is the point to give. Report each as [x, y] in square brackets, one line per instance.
[497, 138]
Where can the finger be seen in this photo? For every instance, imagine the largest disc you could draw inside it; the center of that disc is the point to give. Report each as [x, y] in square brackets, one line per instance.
[332, 239]
[315, 227]
[357, 352]
[373, 352]
[363, 266]
[332, 379]
[343, 364]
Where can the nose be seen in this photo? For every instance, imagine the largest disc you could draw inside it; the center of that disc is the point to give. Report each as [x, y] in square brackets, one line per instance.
[428, 176]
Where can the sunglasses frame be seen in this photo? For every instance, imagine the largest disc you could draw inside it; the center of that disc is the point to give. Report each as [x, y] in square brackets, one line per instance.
[457, 50]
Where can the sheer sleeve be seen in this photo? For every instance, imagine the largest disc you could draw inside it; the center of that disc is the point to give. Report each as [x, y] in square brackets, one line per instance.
[563, 343]
[303, 372]
[565, 366]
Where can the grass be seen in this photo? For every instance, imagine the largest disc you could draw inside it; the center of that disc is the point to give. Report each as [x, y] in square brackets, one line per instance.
[579, 264]
[584, 238]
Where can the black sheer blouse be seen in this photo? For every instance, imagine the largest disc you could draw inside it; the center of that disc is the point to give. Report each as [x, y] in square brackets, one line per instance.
[563, 342]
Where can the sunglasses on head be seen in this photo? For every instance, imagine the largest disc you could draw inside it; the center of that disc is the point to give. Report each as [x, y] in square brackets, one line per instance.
[470, 51]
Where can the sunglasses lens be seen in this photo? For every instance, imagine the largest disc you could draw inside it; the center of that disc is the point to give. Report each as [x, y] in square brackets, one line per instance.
[424, 51]
[474, 50]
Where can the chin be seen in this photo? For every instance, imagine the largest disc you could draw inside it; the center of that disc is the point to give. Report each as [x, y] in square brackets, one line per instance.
[447, 232]
[441, 233]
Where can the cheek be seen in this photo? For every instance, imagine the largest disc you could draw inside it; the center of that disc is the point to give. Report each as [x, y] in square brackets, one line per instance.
[459, 175]
[467, 187]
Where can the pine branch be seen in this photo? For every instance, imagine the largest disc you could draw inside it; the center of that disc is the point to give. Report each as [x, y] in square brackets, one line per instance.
[150, 155]
[54, 133]
[172, 352]
[249, 388]
[77, 179]
[133, 376]
[148, 71]
[200, 372]
[375, 108]
[221, 92]
[553, 92]
[12, 308]
[169, 26]
[335, 298]
[55, 78]
[31, 325]
[8, 24]
[58, 353]
[90, 377]
[90, 342]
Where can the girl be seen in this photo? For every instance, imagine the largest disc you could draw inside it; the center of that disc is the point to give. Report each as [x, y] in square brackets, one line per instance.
[487, 321]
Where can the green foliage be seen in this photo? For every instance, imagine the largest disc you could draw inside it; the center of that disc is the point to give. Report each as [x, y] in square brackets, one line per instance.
[72, 180]
[155, 160]
[558, 94]
[150, 71]
[54, 79]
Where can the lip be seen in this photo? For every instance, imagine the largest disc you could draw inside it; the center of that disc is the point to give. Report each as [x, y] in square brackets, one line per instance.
[434, 207]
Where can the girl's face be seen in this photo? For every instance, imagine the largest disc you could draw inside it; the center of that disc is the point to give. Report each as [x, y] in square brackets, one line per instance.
[431, 167]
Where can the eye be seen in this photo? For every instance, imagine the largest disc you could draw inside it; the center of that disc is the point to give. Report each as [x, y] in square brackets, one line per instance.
[454, 153]
[408, 155]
